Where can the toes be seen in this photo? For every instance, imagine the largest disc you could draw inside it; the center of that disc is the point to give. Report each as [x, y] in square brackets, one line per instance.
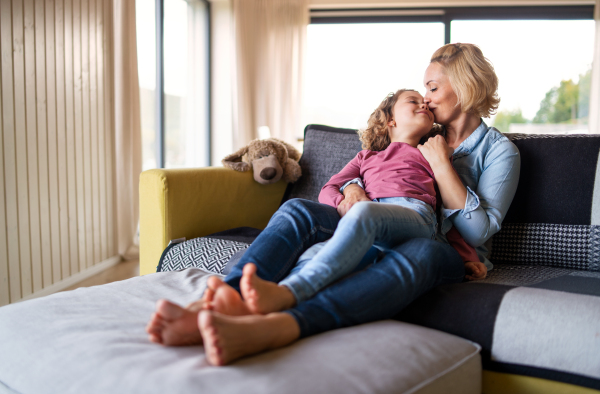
[249, 270]
[209, 295]
[214, 283]
[168, 310]
[155, 338]
[155, 324]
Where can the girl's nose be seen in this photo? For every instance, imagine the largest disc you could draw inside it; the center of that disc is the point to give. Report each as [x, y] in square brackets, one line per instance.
[424, 106]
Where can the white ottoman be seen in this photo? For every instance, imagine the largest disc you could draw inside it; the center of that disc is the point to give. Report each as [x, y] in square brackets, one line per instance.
[92, 340]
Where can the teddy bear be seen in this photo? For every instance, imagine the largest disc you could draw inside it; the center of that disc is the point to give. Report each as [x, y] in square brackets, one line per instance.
[271, 159]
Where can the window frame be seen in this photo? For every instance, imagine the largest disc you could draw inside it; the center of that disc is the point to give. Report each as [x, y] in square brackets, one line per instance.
[448, 14]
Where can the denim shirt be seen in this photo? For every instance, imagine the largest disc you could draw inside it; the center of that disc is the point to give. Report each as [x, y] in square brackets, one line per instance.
[488, 164]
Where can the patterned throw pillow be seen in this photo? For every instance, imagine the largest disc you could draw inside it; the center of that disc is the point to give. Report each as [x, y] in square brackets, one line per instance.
[210, 254]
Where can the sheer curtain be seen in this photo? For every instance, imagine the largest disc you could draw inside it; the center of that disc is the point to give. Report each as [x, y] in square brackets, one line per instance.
[128, 144]
[270, 43]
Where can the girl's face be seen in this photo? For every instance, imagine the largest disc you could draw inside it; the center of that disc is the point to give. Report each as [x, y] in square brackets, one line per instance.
[440, 96]
[411, 115]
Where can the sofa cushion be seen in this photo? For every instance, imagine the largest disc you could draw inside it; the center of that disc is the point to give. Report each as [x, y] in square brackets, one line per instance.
[530, 320]
[92, 340]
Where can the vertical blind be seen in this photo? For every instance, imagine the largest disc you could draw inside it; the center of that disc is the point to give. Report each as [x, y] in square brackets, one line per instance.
[57, 209]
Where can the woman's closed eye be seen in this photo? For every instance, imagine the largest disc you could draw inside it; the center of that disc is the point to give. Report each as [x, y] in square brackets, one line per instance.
[433, 89]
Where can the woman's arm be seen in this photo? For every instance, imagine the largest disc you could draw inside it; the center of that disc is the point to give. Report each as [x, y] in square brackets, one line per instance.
[477, 215]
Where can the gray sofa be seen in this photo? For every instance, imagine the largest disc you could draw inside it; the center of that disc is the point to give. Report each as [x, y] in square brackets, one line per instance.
[532, 326]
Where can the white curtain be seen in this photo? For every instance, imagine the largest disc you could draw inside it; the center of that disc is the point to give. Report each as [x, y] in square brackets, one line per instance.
[594, 120]
[270, 40]
[128, 142]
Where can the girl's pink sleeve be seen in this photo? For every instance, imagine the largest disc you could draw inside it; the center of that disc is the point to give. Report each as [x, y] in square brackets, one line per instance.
[466, 252]
[330, 193]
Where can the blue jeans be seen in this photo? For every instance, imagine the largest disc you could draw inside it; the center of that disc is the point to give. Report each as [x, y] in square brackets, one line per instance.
[384, 224]
[380, 291]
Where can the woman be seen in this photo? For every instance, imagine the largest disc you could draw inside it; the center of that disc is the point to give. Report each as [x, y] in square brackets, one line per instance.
[461, 88]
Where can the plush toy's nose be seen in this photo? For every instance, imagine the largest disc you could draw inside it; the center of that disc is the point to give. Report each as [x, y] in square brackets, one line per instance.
[268, 173]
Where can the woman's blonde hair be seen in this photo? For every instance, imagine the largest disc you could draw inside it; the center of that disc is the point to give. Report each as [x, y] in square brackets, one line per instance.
[376, 136]
[472, 77]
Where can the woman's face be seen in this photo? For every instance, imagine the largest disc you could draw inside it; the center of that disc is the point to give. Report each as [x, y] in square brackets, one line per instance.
[440, 96]
[411, 114]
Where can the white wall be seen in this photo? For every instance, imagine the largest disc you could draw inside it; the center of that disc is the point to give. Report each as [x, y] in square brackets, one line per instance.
[57, 211]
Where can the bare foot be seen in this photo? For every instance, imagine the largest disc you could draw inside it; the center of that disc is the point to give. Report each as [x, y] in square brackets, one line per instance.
[226, 299]
[227, 338]
[172, 325]
[263, 296]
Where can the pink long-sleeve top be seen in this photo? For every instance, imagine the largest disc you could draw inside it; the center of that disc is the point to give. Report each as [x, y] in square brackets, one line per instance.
[398, 171]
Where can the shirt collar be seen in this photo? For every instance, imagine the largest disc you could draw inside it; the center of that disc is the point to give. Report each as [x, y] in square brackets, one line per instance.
[467, 146]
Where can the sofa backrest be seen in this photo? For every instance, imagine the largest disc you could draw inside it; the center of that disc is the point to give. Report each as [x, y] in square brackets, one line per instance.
[326, 151]
[554, 219]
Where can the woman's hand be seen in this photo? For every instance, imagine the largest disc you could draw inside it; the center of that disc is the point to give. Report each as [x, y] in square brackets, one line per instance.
[352, 194]
[475, 270]
[436, 151]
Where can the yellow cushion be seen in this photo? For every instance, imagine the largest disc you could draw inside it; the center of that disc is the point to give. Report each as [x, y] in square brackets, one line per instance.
[504, 383]
[199, 201]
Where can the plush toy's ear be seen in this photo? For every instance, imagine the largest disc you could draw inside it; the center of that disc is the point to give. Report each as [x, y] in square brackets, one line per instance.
[292, 152]
[292, 171]
[234, 160]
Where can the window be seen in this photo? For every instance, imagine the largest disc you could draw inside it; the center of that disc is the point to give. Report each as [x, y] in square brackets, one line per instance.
[176, 133]
[544, 69]
[352, 67]
[542, 56]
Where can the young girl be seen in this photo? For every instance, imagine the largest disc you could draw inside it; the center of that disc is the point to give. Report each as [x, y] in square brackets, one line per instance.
[401, 185]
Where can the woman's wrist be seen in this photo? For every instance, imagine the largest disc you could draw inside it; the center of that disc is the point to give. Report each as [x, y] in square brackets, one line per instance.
[441, 166]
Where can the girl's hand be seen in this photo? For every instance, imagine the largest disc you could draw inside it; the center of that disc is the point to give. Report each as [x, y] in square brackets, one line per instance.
[475, 270]
[436, 151]
[352, 195]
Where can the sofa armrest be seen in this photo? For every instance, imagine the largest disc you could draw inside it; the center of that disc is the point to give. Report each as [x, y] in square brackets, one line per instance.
[196, 202]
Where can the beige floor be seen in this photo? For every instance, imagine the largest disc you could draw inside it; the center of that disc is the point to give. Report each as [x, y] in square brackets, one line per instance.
[123, 270]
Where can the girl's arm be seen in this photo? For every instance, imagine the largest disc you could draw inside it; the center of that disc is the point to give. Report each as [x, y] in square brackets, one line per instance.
[477, 215]
[330, 193]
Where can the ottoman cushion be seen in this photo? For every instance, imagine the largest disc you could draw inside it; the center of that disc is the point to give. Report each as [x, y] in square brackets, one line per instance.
[92, 340]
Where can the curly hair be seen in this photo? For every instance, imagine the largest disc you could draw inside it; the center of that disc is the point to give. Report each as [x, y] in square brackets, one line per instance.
[471, 76]
[376, 136]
